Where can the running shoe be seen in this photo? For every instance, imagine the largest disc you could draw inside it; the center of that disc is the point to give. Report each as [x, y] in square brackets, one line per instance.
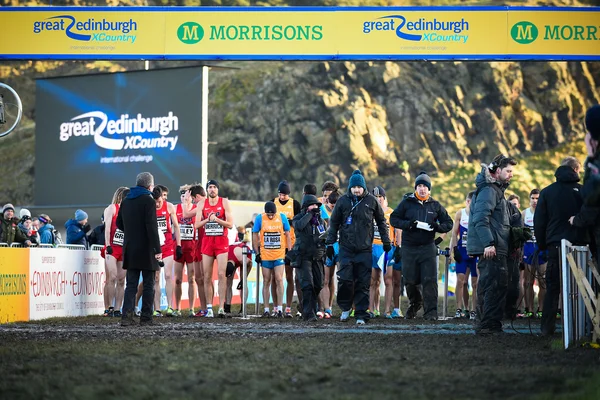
[279, 314]
[117, 313]
[320, 315]
[138, 313]
[288, 312]
[473, 315]
[360, 321]
[274, 314]
[396, 314]
[558, 315]
[108, 313]
[209, 313]
[266, 314]
[298, 314]
[352, 313]
[191, 313]
[458, 313]
[465, 313]
[169, 312]
[388, 315]
[221, 313]
[520, 314]
[538, 314]
[176, 313]
[201, 313]
[157, 314]
[376, 313]
[328, 312]
[345, 316]
[528, 314]
[371, 314]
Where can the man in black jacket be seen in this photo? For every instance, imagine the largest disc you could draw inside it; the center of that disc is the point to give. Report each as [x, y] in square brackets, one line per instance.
[589, 216]
[488, 238]
[420, 217]
[353, 217]
[556, 204]
[141, 249]
[310, 253]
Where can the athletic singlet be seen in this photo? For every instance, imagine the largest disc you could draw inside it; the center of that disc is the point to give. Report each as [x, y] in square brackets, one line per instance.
[213, 228]
[117, 236]
[287, 209]
[164, 221]
[272, 238]
[463, 228]
[528, 221]
[186, 225]
[391, 231]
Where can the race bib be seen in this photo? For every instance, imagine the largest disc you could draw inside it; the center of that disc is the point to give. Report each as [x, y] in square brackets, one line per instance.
[272, 240]
[118, 238]
[532, 240]
[464, 239]
[376, 232]
[162, 223]
[187, 232]
[213, 229]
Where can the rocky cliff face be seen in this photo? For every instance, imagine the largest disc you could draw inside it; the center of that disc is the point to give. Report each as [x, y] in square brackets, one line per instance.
[311, 122]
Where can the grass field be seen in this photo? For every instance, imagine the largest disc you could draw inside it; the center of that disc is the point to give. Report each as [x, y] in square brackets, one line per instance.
[95, 358]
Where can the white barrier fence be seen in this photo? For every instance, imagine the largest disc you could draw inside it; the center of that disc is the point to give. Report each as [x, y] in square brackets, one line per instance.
[581, 301]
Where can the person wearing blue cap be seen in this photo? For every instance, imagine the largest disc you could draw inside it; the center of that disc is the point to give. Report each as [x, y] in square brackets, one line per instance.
[77, 229]
[352, 218]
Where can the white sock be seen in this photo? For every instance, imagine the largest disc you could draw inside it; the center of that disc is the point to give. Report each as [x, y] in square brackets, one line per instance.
[266, 309]
[397, 310]
[279, 308]
[209, 306]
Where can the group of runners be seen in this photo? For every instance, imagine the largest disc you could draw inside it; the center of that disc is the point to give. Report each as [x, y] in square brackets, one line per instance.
[199, 233]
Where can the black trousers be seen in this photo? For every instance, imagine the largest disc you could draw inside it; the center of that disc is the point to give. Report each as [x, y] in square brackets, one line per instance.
[310, 274]
[419, 267]
[491, 292]
[354, 279]
[512, 291]
[133, 277]
[553, 272]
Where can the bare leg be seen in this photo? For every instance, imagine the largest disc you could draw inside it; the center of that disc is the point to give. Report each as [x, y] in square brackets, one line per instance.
[110, 266]
[222, 270]
[388, 280]
[199, 278]
[208, 263]
[178, 284]
[169, 287]
[266, 273]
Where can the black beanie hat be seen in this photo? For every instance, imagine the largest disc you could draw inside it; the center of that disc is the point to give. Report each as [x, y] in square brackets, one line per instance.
[270, 207]
[592, 121]
[212, 182]
[423, 179]
[284, 187]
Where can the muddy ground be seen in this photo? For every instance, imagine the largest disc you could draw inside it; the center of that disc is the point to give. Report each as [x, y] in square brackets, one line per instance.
[181, 358]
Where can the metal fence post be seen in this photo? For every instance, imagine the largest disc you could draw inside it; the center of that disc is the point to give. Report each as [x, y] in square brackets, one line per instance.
[244, 276]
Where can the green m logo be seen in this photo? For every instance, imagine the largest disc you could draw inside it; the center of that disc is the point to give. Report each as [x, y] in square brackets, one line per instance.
[190, 32]
[524, 32]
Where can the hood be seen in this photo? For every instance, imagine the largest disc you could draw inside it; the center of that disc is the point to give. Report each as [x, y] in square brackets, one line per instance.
[46, 227]
[566, 174]
[309, 199]
[486, 178]
[138, 191]
[72, 222]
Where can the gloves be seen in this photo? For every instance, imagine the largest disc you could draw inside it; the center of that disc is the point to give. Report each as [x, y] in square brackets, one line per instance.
[330, 252]
[413, 225]
[543, 256]
[178, 253]
[457, 255]
[397, 255]
[109, 250]
[316, 211]
[257, 258]
[438, 240]
[387, 247]
[436, 228]
[86, 228]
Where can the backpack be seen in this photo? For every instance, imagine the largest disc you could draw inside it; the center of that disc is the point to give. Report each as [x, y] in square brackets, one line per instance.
[56, 238]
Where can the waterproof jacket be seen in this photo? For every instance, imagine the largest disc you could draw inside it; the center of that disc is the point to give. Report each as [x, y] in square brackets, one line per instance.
[75, 233]
[557, 203]
[353, 218]
[589, 216]
[412, 209]
[308, 246]
[137, 219]
[489, 218]
[10, 232]
[46, 234]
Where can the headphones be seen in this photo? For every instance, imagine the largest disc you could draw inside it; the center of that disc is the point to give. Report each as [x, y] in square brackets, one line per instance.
[495, 164]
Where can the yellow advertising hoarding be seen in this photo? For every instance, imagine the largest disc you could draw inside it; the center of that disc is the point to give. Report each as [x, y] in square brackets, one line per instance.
[14, 284]
[306, 33]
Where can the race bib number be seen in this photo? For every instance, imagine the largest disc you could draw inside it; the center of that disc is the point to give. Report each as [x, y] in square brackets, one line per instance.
[187, 232]
[119, 237]
[213, 229]
[162, 223]
[532, 237]
[464, 239]
[272, 240]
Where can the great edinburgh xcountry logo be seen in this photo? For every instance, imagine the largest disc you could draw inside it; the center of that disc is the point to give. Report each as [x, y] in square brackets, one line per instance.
[89, 30]
[421, 29]
[524, 32]
[190, 32]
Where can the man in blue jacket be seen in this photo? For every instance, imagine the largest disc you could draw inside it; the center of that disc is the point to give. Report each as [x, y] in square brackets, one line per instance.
[488, 238]
[353, 217]
[78, 228]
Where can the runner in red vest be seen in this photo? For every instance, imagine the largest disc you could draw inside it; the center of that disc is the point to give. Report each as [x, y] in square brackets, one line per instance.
[188, 244]
[216, 220]
[114, 286]
[197, 195]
